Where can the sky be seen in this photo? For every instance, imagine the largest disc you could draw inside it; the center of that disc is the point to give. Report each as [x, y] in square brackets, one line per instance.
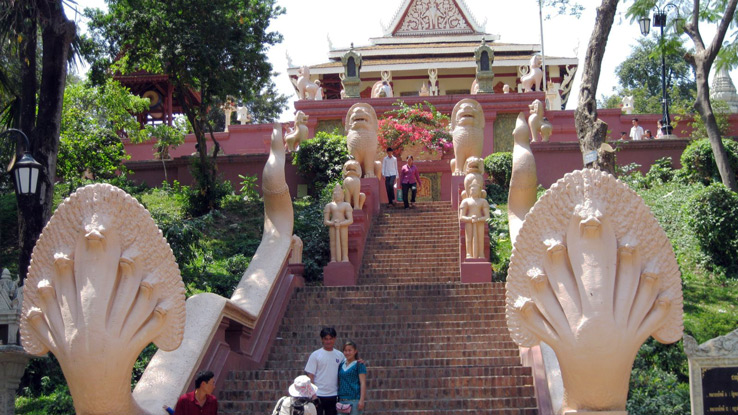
[308, 25]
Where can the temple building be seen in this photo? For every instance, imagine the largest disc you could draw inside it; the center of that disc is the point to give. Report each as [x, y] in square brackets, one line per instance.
[429, 49]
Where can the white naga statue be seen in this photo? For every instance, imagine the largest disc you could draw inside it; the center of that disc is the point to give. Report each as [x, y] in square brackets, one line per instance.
[533, 77]
[298, 133]
[592, 275]
[338, 215]
[467, 130]
[352, 184]
[361, 137]
[102, 284]
[474, 212]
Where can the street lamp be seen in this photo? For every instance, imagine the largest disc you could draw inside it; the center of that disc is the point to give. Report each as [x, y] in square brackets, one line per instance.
[659, 20]
[27, 170]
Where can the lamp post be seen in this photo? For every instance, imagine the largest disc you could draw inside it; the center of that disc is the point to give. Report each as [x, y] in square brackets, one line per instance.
[659, 20]
[27, 170]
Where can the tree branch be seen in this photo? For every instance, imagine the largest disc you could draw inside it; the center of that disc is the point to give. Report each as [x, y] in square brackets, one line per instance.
[717, 40]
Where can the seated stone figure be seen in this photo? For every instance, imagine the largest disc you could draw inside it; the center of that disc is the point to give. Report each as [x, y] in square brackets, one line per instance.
[352, 184]
[474, 212]
[338, 215]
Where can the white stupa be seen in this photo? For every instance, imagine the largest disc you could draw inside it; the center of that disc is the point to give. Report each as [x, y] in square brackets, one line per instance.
[722, 88]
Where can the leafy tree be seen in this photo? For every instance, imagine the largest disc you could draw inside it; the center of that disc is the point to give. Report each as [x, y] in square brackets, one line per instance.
[34, 97]
[214, 47]
[90, 145]
[722, 13]
[321, 158]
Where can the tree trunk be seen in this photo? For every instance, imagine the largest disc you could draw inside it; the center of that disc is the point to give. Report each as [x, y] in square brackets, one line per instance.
[592, 131]
[702, 61]
[34, 211]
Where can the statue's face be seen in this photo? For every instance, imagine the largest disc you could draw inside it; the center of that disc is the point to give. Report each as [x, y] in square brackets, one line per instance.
[537, 61]
[337, 194]
[352, 168]
[475, 189]
[360, 118]
[467, 114]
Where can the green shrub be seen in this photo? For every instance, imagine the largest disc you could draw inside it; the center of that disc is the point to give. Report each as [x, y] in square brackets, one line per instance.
[660, 172]
[309, 227]
[713, 216]
[320, 159]
[499, 167]
[496, 194]
[698, 162]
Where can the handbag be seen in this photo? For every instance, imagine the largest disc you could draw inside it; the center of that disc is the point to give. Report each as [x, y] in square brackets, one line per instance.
[343, 408]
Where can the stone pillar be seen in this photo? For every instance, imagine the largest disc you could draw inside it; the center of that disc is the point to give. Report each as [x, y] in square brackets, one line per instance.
[13, 362]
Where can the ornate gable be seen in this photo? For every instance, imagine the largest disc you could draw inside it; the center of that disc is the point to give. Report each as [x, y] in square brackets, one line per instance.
[433, 17]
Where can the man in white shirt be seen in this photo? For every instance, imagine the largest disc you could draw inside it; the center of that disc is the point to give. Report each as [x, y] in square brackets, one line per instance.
[636, 131]
[389, 171]
[322, 368]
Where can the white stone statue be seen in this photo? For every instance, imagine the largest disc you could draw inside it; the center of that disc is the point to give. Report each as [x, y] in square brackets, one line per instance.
[102, 284]
[298, 133]
[305, 88]
[228, 108]
[381, 89]
[352, 184]
[627, 104]
[338, 215]
[535, 120]
[242, 115]
[296, 250]
[467, 129]
[523, 179]
[506, 89]
[546, 130]
[433, 78]
[361, 137]
[424, 92]
[593, 275]
[473, 170]
[319, 91]
[474, 212]
[8, 291]
[474, 90]
[533, 77]
[553, 96]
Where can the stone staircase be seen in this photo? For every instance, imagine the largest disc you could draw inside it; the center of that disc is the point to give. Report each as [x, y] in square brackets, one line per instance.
[431, 344]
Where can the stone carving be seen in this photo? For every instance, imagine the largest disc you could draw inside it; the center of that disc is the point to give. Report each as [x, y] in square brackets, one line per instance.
[228, 108]
[523, 179]
[433, 15]
[296, 250]
[474, 170]
[535, 120]
[319, 91]
[352, 184]
[305, 88]
[627, 104]
[474, 90]
[722, 346]
[546, 130]
[467, 129]
[567, 83]
[533, 76]
[506, 89]
[433, 78]
[361, 137]
[242, 115]
[722, 88]
[593, 275]
[474, 212]
[424, 92]
[298, 133]
[8, 291]
[381, 89]
[553, 96]
[338, 215]
[102, 284]
[11, 300]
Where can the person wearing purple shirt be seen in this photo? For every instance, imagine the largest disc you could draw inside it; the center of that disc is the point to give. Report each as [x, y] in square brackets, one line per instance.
[410, 180]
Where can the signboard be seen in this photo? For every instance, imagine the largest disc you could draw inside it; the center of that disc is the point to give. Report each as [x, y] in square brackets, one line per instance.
[720, 390]
[590, 157]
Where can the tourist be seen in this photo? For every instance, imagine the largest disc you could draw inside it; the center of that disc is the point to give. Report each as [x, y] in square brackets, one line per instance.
[648, 135]
[623, 135]
[200, 401]
[322, 368]
[389, 171]
[410, 180]
[352, 379]
[302, 392]
[636, 131]
[659, 129]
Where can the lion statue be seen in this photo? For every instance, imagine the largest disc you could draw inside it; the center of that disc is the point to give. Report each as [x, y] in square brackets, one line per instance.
[298, 133]
[546, 130]
[352, 184]
[535, 120]
[532, 79]
[467, 129]
[361, 137]
[305, 88]
[381, 89]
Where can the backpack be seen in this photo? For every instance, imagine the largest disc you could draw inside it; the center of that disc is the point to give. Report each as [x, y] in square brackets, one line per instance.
[297, 405]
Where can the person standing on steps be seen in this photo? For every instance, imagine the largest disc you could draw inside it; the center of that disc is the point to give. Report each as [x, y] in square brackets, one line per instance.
[200, 401]
[322, 368]
[410, 179]
[389, 171]
[352, 379]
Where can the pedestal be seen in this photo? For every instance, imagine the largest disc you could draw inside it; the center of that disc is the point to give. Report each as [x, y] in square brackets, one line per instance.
[339, 274]
[370, 187]
[457, 185]
[475, 270]
[13, 361]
